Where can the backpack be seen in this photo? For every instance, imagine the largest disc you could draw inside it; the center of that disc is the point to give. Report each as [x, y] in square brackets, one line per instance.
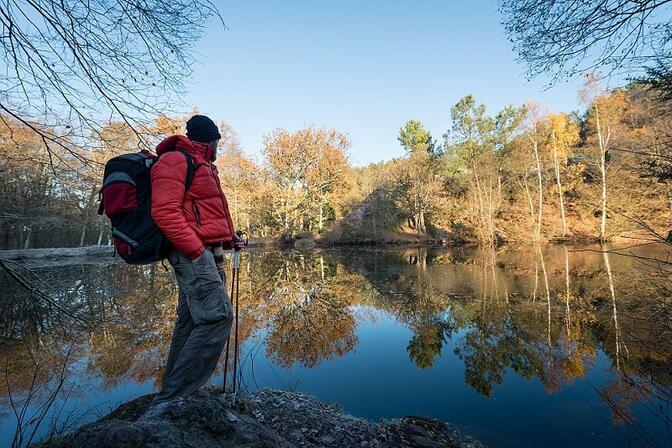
[126, 199]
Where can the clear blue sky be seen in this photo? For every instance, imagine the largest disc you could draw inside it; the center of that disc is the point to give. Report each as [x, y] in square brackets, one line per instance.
[361, 67]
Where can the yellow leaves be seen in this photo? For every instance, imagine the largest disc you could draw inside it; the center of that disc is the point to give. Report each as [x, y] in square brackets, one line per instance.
[564, 134]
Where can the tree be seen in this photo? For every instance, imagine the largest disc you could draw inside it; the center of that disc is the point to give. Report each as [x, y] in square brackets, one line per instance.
[468, 139]
[241, 182]
[568, 37]
[426, 345]
[76, 65]
[605, 111]
[474, 147]
[534, 134]
[418, 172]
[305, 167]
[564, 134]
[413, 137]
[32, 189]
[328, 180]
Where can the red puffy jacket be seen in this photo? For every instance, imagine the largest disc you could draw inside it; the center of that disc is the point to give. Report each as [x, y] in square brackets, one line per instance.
[199, 217]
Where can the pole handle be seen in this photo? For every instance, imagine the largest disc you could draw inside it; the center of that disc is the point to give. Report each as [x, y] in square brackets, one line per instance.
[243, 235]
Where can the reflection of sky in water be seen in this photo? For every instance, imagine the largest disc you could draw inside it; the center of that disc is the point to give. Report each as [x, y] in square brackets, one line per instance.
[378, 381]
[375, 377]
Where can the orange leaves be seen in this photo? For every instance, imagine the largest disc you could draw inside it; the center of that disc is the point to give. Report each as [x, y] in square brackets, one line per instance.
[308, 169]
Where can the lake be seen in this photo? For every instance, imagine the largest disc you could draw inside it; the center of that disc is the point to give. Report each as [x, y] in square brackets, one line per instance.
[559, 346]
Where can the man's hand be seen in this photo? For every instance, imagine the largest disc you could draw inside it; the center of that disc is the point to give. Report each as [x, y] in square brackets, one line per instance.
[238, 242]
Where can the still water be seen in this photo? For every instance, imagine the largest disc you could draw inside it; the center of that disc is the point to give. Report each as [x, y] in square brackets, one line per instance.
[556, 347]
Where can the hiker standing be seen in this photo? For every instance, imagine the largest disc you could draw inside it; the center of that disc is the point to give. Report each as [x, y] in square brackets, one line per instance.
[195, 222]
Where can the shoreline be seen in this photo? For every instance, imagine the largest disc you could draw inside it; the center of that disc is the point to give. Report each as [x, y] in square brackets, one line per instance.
[65, 253]
[263, 419]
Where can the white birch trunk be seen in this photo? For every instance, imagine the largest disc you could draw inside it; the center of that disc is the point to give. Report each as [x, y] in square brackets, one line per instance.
[603, 142]
[540, 211]
[556, 163]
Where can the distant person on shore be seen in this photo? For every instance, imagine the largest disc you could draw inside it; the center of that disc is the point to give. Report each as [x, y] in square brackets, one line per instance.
[195, 222]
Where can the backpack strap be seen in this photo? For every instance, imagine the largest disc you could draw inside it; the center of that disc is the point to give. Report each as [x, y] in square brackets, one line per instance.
[190, 169]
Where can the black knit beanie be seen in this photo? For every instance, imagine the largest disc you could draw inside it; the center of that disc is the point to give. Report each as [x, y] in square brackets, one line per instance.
[202, 129]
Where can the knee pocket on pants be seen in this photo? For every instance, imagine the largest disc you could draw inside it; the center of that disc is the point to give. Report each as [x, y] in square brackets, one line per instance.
[209, 305]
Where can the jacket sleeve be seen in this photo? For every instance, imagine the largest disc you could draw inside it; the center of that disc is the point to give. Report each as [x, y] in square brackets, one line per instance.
[168, 177]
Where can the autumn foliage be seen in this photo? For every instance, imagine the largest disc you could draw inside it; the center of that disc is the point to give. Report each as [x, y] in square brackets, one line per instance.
[523, 173]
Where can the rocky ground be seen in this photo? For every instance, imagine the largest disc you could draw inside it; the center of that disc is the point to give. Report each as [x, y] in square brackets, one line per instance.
[264, 419]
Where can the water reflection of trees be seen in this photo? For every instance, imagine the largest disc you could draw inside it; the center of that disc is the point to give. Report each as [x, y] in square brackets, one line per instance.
[541, 313]
[304, 308]
[302, 302]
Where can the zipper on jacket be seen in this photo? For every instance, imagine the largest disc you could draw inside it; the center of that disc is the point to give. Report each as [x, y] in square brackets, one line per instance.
[197, 213]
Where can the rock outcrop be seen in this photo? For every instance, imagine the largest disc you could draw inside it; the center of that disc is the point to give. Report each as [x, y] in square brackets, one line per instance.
[264, 419]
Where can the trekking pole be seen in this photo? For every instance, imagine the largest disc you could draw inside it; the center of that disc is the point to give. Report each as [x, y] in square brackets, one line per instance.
[235, 292]
[228, 337]
[236, 274]
[236, 282]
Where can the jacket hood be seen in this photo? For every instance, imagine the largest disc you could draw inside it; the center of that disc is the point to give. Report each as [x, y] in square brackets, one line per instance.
[176, 142]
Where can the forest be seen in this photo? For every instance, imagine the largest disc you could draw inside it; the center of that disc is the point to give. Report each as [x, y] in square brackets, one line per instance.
[575, 335]
[520, 174]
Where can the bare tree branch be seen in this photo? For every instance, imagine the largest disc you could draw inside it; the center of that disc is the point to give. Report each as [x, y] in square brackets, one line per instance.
[73, 66]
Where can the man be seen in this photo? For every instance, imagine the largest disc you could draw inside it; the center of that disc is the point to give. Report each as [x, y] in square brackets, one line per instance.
[195, 223]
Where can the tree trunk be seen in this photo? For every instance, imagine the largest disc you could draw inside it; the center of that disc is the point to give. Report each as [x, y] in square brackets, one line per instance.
[491, 214]
[603, 221]
[480, 207]
[526, 187]
[416, 215]
[548, 295]
[412, 223]
[602, 141]
[567, 292]
[556, 163]
[535, 147]
[82, 236]
[101, 230]
[536, 278]
[286, 214]
[86, 218]
[322, 267]
[614, 310]
[26, 243]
